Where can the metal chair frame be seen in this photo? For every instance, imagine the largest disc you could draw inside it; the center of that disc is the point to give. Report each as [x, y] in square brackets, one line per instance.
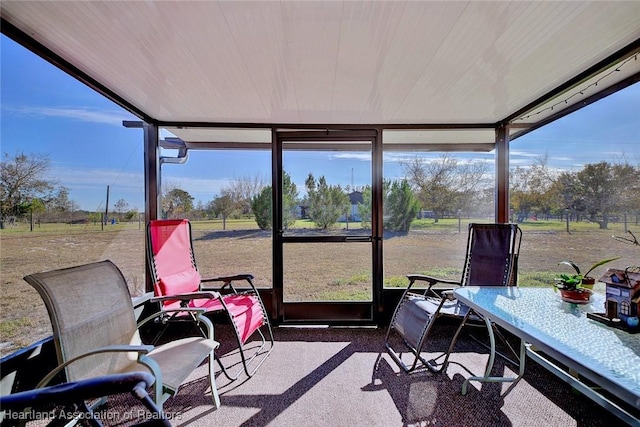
[224, 294]
[74, 395]
[101, 339]
[428, 304]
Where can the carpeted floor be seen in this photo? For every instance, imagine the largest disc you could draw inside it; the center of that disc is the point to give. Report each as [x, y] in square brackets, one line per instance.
[343, 377]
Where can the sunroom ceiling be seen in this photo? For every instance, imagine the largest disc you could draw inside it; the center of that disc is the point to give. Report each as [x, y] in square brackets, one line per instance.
[320, 63]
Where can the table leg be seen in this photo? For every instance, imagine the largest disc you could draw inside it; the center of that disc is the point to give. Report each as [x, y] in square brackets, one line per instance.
[492, 356]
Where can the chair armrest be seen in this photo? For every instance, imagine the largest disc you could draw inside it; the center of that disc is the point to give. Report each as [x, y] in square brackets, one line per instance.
[226, 279]
[198, 311]
[431, 280]
[188, 296]
[449, 295]
[78, 391]
[140, 349]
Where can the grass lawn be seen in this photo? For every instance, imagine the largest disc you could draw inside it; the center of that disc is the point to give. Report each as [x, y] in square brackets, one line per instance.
[320, 271]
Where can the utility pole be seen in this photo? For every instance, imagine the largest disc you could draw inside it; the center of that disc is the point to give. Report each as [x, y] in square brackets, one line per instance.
[106, 208]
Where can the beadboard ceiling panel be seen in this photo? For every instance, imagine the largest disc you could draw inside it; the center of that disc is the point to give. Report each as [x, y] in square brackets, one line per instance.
[335, 62]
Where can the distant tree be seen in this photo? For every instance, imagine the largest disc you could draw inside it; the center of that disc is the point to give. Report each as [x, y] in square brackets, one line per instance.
[22, 179]
[630, 196]
[401, 206]
[484, 203]
[60, 202]
[289, 201]
[261, 205]
[201, 210]
[94, 217]
[603, 187]
[121, 207]
[177, 203]
[445, 185]
[223, 206]
[131, 215]
[73, 207]
[364, 208]
[532, 189]
[243, 190]
[59, 206]
[35, 209]
[36, 206]
[261, 208]
[326, 202]
[566, 194]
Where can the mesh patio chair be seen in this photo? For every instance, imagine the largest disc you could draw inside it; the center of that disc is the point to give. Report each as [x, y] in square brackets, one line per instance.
[491, 260]
[174, 272]
[60, 402]
[95, 331]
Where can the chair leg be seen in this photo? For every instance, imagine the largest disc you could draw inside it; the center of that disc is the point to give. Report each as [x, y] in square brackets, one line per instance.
[432, 364]
[415, 351]
[247, 361]
[248, 367]
[413, 345]
[212, 381]
[396, 355]
[159, 419]
[443, 366]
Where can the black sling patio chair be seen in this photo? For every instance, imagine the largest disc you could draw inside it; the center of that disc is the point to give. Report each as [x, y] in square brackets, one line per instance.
[491, 260]
[59, 403]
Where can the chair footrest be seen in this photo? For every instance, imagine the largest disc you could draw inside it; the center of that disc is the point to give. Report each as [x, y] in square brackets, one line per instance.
[413, 317]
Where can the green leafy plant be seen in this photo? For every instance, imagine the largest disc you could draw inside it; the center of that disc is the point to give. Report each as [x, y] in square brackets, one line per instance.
[574, 281]
[593, 267]
[568, 282]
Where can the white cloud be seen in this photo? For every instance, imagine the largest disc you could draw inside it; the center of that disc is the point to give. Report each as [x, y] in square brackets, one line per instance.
[112, 117]
[365, 157]
[87, 186]
[514, 153]
[90, 178]
[200, 188]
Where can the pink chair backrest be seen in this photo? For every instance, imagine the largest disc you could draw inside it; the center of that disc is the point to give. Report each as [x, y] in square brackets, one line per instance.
[173, 262]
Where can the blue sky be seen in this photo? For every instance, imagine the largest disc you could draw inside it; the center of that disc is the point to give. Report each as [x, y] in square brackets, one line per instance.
[45, 111]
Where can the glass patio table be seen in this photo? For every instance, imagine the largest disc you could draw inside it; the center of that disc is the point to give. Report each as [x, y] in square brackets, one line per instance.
[559, 336]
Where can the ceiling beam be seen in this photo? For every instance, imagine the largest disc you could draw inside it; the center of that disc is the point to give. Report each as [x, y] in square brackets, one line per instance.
[577, 106]
[625, 52]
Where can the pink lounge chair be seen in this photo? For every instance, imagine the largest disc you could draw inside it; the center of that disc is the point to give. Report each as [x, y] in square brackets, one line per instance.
[175, 273]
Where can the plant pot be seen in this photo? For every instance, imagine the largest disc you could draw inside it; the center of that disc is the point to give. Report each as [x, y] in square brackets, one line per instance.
[588, 282]
[576, 296]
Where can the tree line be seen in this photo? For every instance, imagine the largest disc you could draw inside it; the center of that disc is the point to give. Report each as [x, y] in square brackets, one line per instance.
[24, 190]
[599, 192]
[447, 186]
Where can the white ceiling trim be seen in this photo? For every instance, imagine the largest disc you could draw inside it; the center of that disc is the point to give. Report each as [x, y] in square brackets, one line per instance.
[338, 62]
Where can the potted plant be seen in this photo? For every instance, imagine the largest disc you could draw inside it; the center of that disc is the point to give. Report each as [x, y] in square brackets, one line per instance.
[571, 289]
[586, 281]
